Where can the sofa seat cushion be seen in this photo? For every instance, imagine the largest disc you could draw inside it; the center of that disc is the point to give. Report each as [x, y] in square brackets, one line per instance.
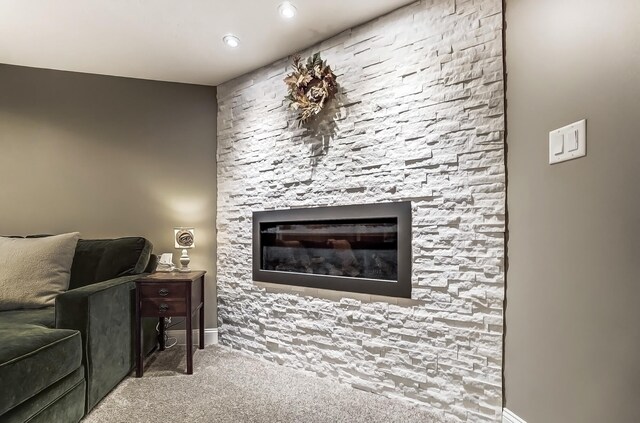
[37, 316]
[32, 358]
[61, 402]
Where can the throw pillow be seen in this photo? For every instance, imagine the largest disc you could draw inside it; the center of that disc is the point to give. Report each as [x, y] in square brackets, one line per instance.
[33, 271]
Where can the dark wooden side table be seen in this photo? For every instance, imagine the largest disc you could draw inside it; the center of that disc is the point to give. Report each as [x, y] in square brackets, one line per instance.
[175, 294]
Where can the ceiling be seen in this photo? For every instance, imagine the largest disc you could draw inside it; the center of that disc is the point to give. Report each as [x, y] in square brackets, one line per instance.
[170, 40]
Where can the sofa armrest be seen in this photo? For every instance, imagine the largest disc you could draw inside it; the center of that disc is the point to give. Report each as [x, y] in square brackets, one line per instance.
[104, 314]
[92, 289]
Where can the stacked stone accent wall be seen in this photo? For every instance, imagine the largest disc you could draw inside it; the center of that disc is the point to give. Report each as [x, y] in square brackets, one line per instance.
[420, 118]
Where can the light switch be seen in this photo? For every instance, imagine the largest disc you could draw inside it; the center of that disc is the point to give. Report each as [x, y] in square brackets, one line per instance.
[571, 140]
[557, 144]
[568, 142]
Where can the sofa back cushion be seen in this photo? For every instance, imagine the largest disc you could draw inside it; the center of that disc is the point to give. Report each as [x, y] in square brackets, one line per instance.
[34, 271]
[99, 260]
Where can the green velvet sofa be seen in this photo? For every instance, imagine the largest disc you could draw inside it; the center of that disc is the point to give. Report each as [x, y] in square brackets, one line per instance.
[57, 363]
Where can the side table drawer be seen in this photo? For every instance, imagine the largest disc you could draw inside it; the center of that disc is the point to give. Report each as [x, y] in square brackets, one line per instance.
[164, 290]
[158, 307]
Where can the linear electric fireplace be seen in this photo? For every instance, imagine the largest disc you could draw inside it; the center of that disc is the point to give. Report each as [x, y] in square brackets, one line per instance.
[363, 248]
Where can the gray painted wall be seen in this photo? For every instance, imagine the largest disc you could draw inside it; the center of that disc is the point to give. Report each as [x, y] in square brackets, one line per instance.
[109, 157]
[573, 286]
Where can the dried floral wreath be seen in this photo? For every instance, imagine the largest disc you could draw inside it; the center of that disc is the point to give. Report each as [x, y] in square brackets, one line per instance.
[311, 85]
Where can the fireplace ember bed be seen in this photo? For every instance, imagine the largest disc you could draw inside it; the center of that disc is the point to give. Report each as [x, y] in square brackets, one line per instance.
[360, 248]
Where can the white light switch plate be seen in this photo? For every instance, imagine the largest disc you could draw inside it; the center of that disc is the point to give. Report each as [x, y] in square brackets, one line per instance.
[568, 142]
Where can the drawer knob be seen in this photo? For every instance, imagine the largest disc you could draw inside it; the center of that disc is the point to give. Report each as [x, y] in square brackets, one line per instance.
[164, 307]
[163, 292]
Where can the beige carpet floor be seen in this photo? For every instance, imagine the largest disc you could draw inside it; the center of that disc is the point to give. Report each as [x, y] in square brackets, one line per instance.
[229, 386]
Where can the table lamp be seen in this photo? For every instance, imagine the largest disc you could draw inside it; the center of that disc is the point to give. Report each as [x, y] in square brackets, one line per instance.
[184, 238]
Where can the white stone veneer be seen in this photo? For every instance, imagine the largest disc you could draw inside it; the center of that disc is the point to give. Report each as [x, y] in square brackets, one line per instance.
[419, 117]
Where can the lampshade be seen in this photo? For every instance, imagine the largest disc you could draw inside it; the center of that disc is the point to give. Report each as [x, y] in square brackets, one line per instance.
[184, 237]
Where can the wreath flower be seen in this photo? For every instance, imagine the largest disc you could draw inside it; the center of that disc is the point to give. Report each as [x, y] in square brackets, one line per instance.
[311, 85]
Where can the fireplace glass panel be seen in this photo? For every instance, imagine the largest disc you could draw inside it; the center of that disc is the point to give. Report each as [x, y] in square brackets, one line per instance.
[355, 248]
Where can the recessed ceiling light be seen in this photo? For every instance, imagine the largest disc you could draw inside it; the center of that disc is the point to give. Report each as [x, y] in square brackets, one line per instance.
[231, 40]
[287, 10]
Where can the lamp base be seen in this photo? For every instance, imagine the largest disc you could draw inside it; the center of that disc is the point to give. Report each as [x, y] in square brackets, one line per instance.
[184, 261]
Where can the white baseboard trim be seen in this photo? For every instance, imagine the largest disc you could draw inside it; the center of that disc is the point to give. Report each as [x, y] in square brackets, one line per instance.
[210, 336]
[510, 417]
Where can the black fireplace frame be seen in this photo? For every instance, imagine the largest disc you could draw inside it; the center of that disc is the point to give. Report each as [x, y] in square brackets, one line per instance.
[400, 210]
